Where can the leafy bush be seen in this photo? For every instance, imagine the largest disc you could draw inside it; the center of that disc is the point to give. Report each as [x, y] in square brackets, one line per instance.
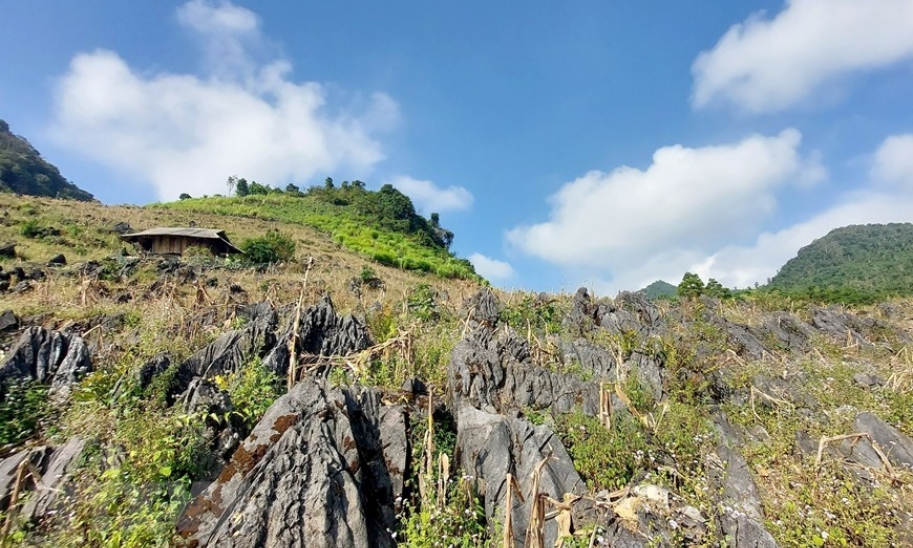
[24, 407]
[252, 390]
[30, 229]
[273, 247]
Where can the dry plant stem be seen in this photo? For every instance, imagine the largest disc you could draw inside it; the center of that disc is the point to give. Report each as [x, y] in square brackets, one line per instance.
[593, 538]
[755, 392]
[512, 486]
[856, 437]
[14, 497]
[293, 341]
[535, 537]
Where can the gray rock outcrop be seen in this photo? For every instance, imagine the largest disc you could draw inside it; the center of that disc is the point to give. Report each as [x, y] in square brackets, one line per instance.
[50, 357]
[321, 469]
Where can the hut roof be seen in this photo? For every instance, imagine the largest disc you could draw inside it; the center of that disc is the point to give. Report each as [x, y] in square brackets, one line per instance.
[183, 232]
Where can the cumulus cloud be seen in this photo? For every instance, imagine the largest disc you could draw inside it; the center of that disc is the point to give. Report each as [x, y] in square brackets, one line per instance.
[428, 197]
[491, 269]
[688, 198]
[763, 65]
[894, 160]
[188, 133]
[886, 197]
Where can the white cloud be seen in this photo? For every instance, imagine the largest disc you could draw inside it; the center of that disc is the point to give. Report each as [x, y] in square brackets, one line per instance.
[688, 198]
[491, 269]
[228, 32]
[428, 197]
[765, 65]
[186, 133]
[894, 160]
[887, 197]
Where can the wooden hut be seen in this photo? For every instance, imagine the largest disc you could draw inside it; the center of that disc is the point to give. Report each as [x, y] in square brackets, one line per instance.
[175, 240]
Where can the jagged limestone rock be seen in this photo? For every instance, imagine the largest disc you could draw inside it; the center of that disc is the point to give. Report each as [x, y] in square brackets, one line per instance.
[322, 468]
[490, 446]
[321, 332]
[50, 494]
[49, 357]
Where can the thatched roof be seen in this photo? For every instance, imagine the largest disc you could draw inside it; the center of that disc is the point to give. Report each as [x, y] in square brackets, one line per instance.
[182, 232]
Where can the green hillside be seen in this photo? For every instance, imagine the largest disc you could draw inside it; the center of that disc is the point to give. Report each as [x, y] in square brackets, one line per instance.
[24, 171]
[660, 289]
[381, 225]
[859, 263]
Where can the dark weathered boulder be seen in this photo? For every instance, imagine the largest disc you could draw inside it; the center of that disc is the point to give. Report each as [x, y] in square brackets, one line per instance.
[9, 468]
[494, 373]
[482, 309]
[222, 431]
[321, 332]
[9, 321]
[51, 357]
[321, 469]
[49, 494]
[8, 250]
[151, 369]
[742, 513]
[631, 312]
[58, 260]
[122, 227]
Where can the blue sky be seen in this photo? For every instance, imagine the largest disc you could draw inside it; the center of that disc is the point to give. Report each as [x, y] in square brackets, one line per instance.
[565, 143]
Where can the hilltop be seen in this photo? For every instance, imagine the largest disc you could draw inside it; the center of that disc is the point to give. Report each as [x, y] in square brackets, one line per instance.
[381, 225]
[194, 402]
[660, 289]
[24, 171]
[859, 263]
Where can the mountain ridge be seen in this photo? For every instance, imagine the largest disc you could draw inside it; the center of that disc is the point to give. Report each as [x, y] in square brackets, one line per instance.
[24, 171]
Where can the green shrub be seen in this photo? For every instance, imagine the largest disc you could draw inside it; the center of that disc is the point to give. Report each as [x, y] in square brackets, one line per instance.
[24, 407]
[30, 229]
[273, 247]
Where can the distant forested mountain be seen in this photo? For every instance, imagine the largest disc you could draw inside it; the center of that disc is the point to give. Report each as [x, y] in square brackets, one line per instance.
[858, 263]
[24, 171]
[659, 290]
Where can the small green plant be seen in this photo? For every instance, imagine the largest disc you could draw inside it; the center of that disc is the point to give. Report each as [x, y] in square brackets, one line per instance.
[272, 247]
[30, 229]
[23, 409]
[532, 313]
[605, 458]
[252, 389]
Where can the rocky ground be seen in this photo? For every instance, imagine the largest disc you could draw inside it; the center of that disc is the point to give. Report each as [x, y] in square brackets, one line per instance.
[548, 421]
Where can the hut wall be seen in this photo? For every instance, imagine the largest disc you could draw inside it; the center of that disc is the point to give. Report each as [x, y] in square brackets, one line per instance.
[170, 245]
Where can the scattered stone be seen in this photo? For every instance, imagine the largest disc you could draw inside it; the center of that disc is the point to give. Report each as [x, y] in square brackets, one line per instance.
[59, 260]
[122, 228]
[490, 446]
[867, 381]
[321, 332]
[9, 321]
[8, 250]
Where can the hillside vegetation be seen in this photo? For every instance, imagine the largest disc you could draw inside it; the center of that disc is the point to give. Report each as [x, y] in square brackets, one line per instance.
[380, 225]
[660, 289]
[194, 402]
[853, 264]
[24, 171]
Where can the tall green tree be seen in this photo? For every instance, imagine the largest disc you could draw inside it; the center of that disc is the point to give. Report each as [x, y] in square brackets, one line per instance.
[691, 286]
[241, 188]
